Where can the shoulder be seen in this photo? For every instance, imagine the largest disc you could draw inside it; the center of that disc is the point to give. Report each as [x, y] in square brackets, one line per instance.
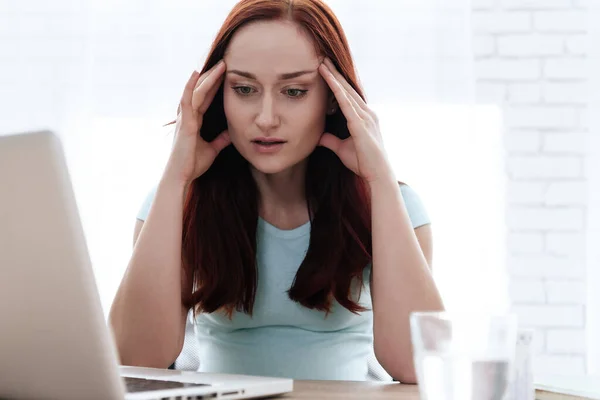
[414, 206]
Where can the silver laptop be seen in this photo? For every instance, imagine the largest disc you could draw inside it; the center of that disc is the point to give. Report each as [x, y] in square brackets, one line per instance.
[54, 340]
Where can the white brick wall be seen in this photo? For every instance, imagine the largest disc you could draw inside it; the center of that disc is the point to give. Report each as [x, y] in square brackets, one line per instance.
[562, 244]
[560, 21]
[566, 341]
[577, 44]
[510, 70]
[552, 364]
[522, 141]
[544, 166]
[545, 267]
[537, 316]
[528, 291]
[530, 58]
[572, 68]
[564, 142]
[525, 243]
[565, 292]
[561, 92]
[542, 116]
[528, 45]
[501, 22]
[535, 4]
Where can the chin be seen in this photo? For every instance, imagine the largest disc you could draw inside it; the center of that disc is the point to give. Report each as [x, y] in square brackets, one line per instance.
[270, 167]
[270, 164]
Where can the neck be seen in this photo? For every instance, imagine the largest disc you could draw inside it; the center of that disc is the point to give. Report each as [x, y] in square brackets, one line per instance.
[282, 197]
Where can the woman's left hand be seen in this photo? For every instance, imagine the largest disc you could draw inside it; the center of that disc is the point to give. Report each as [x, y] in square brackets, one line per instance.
[363, 151]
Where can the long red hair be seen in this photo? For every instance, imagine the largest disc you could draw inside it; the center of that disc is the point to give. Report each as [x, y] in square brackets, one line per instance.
[221, 209]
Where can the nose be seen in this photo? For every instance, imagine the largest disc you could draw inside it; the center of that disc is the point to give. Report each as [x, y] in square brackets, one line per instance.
[267, 117]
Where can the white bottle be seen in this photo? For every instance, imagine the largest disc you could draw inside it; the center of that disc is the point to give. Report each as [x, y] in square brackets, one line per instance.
[522, 385]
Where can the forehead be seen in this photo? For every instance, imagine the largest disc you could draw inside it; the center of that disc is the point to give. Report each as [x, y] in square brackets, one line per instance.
[268, 48]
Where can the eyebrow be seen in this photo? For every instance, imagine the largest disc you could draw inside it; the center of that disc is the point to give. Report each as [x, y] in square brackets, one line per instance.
[281, 77]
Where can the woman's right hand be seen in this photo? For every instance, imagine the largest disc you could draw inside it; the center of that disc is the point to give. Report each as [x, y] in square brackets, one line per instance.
[191, 155]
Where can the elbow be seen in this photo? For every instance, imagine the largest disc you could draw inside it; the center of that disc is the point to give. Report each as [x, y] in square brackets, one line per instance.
[147, 363]
[137, 352]
[402, 373]
[148, 359]
[405, 377]
[400, 368]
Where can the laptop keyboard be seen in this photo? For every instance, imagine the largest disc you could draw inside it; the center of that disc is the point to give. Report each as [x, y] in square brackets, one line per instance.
[145, 385]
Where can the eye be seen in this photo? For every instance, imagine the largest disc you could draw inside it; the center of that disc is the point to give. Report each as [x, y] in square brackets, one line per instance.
[243, 90]
[295, 93]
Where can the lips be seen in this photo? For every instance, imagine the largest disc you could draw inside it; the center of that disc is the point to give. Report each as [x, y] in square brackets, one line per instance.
[268, 145]
[268, 141]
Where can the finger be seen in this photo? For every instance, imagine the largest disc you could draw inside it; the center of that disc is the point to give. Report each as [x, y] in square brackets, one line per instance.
[359, 105]
[205, 74]
[359, 101]
[364, 112]
[349, 89]
[351, 112]
[177, 130]
[361, 87]
[200, 93]
[331, 142]
[221, 141]
[201, 79]
[186, 98]
[208, 99]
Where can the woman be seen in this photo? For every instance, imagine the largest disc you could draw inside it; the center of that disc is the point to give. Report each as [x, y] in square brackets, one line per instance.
[278, 219]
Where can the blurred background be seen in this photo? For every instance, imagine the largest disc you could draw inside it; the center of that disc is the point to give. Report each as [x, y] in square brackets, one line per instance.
[489, 109]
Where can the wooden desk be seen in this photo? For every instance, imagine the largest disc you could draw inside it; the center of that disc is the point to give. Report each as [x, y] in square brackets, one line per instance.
[351, 390]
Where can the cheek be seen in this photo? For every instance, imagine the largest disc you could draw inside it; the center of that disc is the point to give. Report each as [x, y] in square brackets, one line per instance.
[312, 117]
[317, 113]
[227, 104]
[234, 113]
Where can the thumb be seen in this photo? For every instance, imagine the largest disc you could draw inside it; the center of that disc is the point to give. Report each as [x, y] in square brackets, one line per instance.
[331, 142]
[221, 141]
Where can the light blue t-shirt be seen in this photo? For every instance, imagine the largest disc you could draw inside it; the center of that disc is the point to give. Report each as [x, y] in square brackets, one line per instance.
[283, 338]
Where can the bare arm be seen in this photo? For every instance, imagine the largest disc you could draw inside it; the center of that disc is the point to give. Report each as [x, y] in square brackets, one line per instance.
[402, 280]
[147, 315]
[401, 276]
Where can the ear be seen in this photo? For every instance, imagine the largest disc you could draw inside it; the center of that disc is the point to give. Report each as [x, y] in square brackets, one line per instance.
[332, 105]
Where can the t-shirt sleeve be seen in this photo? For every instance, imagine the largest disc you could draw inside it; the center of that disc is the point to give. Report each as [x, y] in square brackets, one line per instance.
[145, 208]
[415, 207]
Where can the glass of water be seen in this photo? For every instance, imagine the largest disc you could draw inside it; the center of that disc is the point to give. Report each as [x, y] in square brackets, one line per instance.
[463, 356]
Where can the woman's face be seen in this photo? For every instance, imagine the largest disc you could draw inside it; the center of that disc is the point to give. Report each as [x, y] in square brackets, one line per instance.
[274, 97]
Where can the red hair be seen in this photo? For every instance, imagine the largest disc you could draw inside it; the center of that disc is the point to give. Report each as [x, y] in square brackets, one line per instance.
[221, 209]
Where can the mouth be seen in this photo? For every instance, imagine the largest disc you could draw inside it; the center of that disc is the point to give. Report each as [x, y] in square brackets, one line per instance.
[268, 142]
[268, 145]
